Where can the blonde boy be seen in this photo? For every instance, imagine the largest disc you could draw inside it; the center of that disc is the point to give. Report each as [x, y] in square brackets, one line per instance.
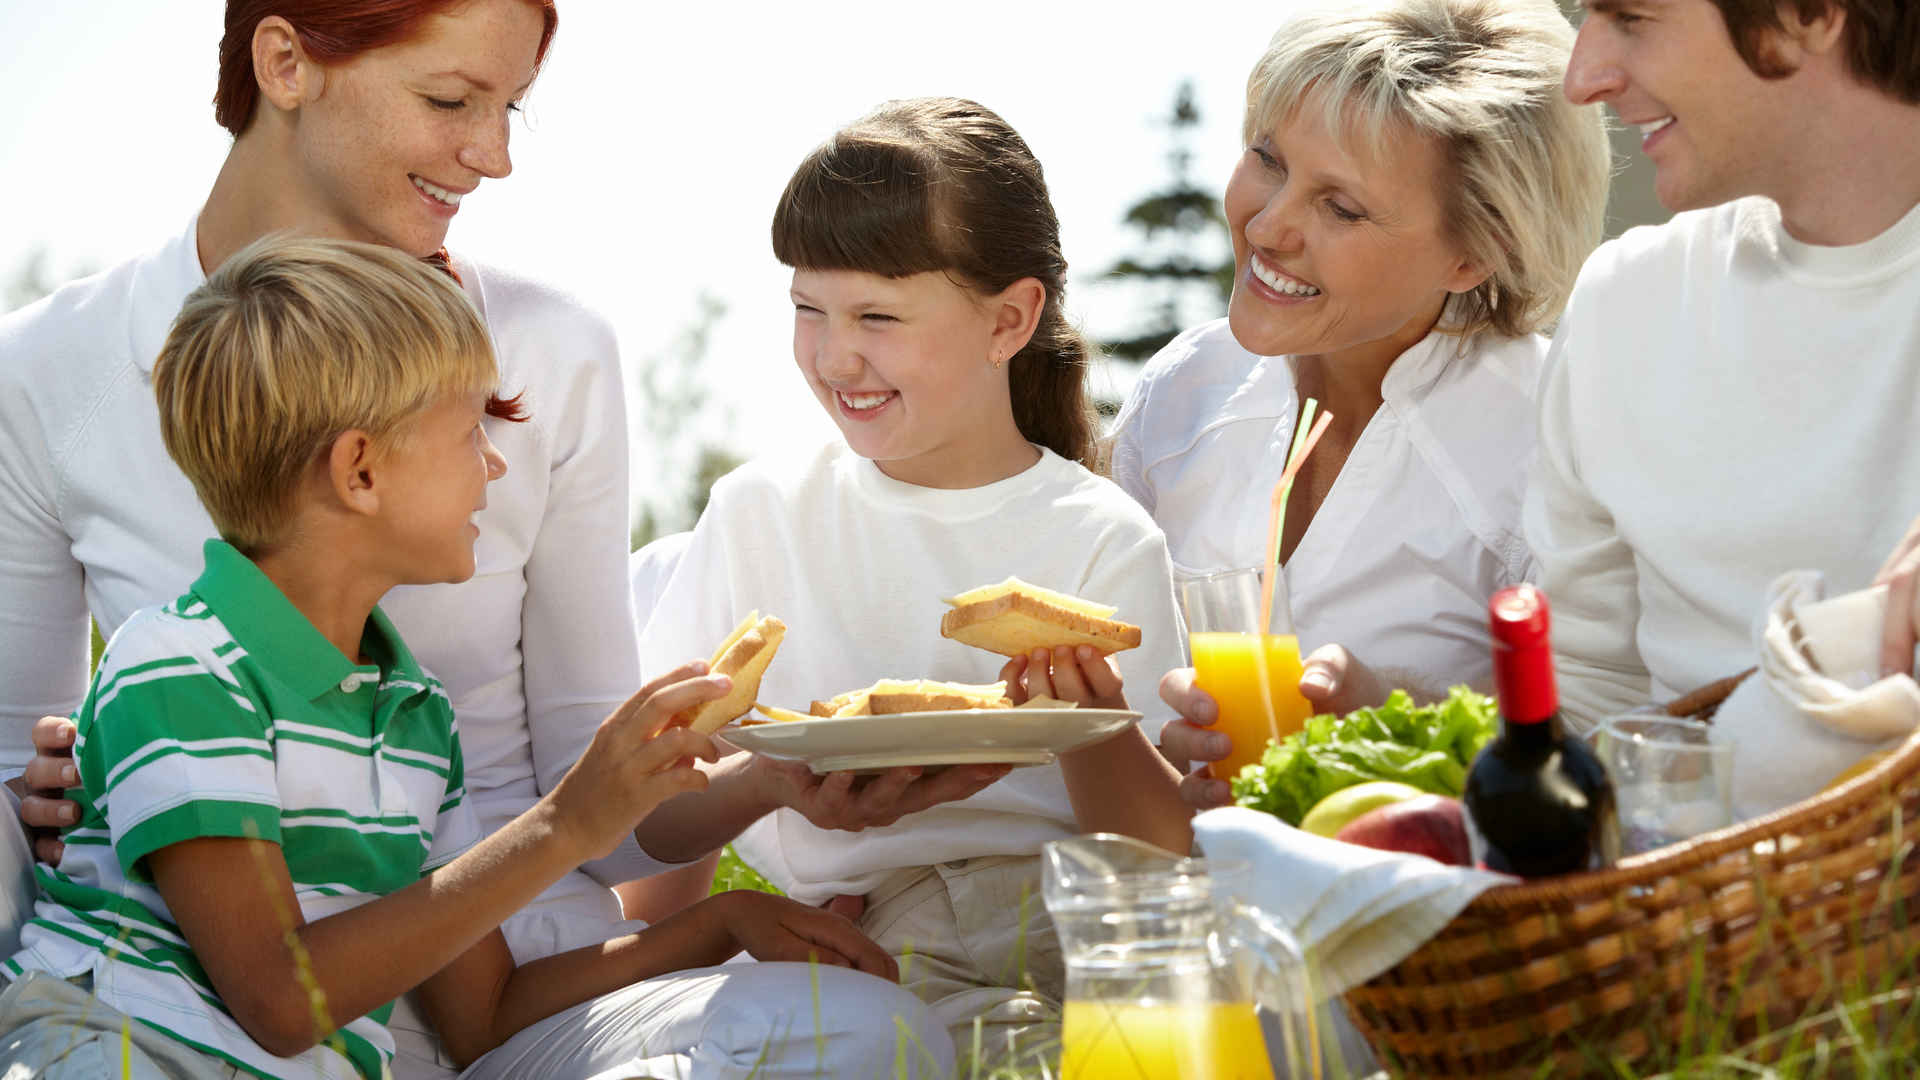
[267, 776]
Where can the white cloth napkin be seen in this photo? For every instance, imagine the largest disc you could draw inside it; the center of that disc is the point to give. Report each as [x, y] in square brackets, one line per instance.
[1792, 726]
[1355, 911]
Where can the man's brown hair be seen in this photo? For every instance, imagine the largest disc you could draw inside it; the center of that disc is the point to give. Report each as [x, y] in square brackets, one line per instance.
[1881, 39]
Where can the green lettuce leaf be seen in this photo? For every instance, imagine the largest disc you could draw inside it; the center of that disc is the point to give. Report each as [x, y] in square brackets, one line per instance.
[1427, 746]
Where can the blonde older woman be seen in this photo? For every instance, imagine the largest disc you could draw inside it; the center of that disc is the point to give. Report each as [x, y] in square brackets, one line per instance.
[1414, 201]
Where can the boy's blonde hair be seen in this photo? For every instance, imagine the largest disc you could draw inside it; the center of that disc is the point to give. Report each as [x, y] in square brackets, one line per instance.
[1525, 187]
[292, 342]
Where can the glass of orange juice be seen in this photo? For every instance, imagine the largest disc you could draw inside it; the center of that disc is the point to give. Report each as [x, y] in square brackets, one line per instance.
[1251, 671]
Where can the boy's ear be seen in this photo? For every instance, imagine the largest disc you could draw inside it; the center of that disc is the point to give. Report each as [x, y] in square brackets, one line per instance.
[1016, 311]
[351, 472]
[286, 75]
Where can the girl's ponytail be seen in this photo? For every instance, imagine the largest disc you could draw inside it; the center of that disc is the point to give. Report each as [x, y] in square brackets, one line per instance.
[1049, 383]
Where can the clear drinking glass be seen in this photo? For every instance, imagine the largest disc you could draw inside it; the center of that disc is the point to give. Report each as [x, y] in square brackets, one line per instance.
[1251, 671]
[1671, 781]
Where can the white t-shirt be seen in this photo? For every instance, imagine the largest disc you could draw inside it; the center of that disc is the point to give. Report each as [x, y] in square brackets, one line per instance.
[650, 568]
[535, 650]
[1421, 526]
[856, 564]
[1722, 404]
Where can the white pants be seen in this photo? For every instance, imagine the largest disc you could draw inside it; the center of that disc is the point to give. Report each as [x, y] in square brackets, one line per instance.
[722, 1022]
[54, 1029]
[734, 1021]
[975, 943]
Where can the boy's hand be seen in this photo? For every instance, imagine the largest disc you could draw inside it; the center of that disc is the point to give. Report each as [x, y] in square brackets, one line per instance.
[42, 786]
[844, 801]
[1079, 674]
[633, 765]
[771, 927]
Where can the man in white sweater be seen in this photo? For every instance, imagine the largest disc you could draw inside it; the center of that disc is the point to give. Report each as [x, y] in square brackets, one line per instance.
[1735, 393]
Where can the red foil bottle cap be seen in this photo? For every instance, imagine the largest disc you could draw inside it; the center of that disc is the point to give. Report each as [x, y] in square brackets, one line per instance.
[1518, 619]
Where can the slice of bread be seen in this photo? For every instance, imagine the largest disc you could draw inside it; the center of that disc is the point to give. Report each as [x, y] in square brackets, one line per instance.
[926, 695]
[910, 695]
[743, 657]
[1020, 618]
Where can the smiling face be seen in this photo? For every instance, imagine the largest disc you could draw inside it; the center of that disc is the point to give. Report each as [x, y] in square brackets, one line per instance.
[395, 136]
[905, 368]
[1333, 252]
[1712, 127]
[435, 475]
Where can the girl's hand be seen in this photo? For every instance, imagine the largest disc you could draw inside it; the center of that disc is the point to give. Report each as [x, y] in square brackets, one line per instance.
[633, 765]
[843, 801]
[44, 807]
[771, 927]
[1191, 739]
[1079, 674]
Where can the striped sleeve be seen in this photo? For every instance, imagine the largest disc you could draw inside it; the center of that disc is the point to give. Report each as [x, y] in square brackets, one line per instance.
[457, 827]
[171, 747]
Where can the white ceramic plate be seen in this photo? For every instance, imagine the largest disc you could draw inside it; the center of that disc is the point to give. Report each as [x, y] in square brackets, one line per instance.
[958, 737]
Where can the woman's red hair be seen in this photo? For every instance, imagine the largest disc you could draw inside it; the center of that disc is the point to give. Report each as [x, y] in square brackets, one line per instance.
[332, 31]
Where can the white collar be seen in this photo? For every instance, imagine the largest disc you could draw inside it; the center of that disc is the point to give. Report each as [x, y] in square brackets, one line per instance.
[160, 282]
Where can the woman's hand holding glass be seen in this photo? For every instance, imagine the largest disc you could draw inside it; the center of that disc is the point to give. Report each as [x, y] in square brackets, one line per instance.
[1332, 680]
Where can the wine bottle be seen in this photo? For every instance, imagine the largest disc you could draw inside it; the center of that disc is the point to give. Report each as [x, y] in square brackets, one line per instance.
[1538, 803]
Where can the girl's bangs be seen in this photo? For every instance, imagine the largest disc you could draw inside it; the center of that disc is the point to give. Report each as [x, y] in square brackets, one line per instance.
[860, 204]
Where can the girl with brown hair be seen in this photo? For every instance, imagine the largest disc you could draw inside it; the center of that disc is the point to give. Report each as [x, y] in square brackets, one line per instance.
[927, 288]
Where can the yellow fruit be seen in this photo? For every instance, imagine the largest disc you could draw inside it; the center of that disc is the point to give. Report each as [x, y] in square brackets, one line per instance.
[1858, 767]
[1330, 814]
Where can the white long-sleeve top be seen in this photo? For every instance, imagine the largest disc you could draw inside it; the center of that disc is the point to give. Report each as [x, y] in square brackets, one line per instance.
[535, 650]
[856, 564]
[1421, 527]
[1722, 403]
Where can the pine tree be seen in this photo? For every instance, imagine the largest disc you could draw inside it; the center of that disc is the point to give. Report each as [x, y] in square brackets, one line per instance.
[1186, 258]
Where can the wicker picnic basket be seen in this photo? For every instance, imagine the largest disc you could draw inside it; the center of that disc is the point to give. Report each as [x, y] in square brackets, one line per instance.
[1723, 943]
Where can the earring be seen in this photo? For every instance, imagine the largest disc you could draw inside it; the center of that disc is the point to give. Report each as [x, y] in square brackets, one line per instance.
[998, 360]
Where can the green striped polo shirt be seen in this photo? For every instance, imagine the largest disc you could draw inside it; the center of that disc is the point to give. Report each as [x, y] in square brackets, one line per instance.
[226, 713]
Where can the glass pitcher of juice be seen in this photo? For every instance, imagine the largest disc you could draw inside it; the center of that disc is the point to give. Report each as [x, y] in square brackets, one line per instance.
[1251, 671]
[1168, 977]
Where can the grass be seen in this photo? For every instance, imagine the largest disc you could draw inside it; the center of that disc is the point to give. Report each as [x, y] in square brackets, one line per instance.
[732, 873]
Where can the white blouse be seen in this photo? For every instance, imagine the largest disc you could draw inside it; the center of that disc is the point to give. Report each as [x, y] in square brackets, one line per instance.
[1421, 526]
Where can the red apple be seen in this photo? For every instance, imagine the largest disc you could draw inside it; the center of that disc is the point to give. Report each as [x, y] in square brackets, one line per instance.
[1431, 825]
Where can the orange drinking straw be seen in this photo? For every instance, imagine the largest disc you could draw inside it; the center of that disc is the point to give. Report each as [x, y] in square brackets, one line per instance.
[1277, 511]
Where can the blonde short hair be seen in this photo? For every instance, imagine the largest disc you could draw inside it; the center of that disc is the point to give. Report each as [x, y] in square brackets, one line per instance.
[293, 342]
[1526, 193]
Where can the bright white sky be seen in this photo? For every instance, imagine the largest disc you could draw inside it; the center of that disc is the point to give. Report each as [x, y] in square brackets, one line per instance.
[656, 142]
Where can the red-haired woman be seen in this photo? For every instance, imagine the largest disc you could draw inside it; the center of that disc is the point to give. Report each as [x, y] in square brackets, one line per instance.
[372, 120]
